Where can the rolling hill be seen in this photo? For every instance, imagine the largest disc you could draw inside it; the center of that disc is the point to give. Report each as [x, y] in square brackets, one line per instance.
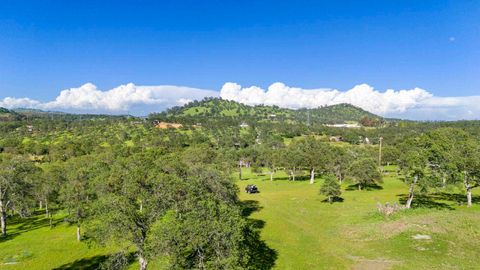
[217, 108]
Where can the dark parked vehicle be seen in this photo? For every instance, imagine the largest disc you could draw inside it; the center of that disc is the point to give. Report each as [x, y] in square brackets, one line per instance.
[251, 189]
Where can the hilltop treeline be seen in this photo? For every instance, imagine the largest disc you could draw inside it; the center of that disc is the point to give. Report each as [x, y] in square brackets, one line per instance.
[219, 108]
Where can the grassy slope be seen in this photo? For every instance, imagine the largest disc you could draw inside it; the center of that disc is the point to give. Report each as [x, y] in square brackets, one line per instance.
[33, 245]
[310, 234]
[305, 232]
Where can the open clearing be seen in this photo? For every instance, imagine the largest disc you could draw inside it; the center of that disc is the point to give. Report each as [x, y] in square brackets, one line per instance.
[304, 231]
[308, 233]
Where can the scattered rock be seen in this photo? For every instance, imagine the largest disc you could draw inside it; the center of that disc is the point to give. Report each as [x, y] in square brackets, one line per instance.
[422, 237]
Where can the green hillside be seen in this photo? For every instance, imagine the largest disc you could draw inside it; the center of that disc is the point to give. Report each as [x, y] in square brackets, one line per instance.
[215, 107]
[338, 113]
[8, 115]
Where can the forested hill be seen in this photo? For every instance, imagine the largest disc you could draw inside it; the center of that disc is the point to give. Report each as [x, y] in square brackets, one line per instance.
[215, 107]
[339, 113]
[8, 115]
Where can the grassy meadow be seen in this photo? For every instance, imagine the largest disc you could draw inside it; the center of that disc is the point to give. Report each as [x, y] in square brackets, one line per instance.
[308, 233]
[301, 230]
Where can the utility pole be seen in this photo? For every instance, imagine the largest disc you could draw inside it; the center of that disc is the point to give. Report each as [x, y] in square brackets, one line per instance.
[380, 155]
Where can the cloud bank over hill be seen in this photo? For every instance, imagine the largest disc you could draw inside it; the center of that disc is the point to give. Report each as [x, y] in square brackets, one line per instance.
[363, 96]
[128, 98]
[416, 103]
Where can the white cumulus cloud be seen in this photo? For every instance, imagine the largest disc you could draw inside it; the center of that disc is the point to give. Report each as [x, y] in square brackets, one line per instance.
[127, 98]
[413, 103]
[362, 95]
[10, 102]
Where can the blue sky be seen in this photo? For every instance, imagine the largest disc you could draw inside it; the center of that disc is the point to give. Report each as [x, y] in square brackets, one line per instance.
[50, 46]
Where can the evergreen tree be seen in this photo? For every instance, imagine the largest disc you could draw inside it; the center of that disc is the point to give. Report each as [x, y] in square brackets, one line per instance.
[330, 188]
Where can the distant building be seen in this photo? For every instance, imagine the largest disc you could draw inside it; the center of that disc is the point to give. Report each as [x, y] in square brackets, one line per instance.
[343, 125]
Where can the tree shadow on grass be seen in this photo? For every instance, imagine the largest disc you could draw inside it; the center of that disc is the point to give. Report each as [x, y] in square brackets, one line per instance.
[85, 263]
[259, 254]
[424, 201]
[96, 262]
[365, 187]
[17, 225]
[249, 206]
[460, 199]
[335, 199]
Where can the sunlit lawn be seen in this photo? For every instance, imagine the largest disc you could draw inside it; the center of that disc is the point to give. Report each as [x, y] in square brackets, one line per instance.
[308, 233]
[305, 231]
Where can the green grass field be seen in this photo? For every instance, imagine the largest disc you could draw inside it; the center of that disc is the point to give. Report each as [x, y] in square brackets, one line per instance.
[308, 233]
[304, 231]
[31, 244]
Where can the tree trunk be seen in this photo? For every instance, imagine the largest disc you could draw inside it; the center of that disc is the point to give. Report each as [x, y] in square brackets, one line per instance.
[46, 209]
[271, 176]
[312, 175]
[3, 219]
[359, 186]
[444, 181]
[293, 174]
[469, 197]
[240, 170]
[143, 262]
[78, 232]
[339, 176]
[40, 204]
[330, 199]
[408, 204]
[468, 188]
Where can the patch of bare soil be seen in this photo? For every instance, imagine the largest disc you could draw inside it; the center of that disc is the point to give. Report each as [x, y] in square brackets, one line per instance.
[369, 264]
[419, 224]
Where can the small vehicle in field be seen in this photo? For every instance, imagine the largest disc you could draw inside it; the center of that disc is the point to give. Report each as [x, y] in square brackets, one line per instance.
[251, 189]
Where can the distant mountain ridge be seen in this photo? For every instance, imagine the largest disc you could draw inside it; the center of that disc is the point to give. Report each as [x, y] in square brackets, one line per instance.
[30, 114]
[216, 107]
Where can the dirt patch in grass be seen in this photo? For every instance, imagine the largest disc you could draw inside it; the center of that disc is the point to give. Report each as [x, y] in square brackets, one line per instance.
[388, 229]
[372, 264]
[421, 224]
